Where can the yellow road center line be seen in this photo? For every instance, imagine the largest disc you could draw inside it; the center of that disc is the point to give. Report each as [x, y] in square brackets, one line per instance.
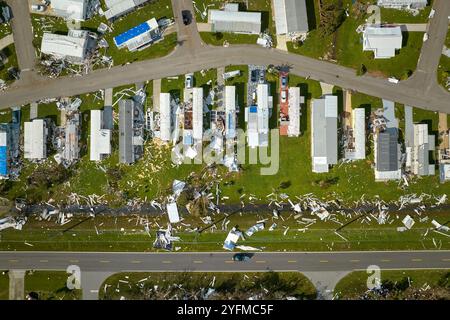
[416, 260]
[323, 261]
[229, 261]
[43, 260]
[73, 261]
[292, 261]
[445, 259]
[260, 261]
[105, 261]
[165, 261]
[13, 261]
[385, 260]
[198, 261]
[135, 261]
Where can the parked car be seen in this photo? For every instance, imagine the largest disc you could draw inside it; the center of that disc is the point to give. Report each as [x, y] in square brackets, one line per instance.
[254, 75]
[189, 81]
[38, 7]
[262, 76]
[393, 80]
[187, 17]
[283, 82]
[283, 96]
[242, 257]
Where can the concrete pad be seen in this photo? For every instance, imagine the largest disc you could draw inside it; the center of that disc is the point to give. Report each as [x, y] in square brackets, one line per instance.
[348, 109]
[16, 284]
[325, 282]
[108, 97]
[91, 282]
[282, 42]
[156, 93]
[326, 88]
[221, 88]
[414, 27]
[6, 41]
[204, 27]
[33, 110]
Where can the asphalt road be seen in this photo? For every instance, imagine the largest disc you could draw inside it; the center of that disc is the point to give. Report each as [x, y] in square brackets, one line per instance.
[192, 55]
[23, 38]
[219, 261]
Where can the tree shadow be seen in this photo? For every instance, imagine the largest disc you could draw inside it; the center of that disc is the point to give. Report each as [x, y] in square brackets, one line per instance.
[304, 91]
[310, 10]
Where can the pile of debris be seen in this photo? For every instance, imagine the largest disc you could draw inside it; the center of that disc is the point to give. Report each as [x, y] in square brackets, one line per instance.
[12, 222]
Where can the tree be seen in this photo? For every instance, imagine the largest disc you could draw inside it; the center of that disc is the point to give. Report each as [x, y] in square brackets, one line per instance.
[361, 70]
[331, 18]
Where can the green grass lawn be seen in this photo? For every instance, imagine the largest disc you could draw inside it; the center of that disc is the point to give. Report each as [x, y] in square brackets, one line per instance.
[157, 9]
[355, 284]
[444, 65]
[240, 82]
[152, 176]
[4, 285]
[228, 286]
[350, 54]
[218, 39]
[348, 50]
[174, 86]
[361, 100]
[50, 285]
[267, 23]
[316, 45]
[125, 233]
[10, 53]
[402, 16]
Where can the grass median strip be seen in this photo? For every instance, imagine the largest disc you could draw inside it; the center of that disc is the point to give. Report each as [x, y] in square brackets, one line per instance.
[398, 284]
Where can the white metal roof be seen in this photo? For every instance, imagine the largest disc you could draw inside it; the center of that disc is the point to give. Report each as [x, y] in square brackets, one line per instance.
[70, 9]
[290, 16]
[389, 114]
[230, 111]
[402, 3]
[100, 138]
[359, 132]
[35, 139]
[120, 7]
[63, 46]
[165, 113]
[197, 113]
[231, 21]
[3, 139]
[383, 41]
[324, 132]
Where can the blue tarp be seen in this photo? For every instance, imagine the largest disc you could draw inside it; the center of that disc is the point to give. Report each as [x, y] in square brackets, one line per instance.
[132, 33]
[3, 161]
[253, 109]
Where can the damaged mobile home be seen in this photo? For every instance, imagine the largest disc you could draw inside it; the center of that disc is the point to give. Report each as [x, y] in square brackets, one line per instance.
[76, 47]
[100, 146]
[131, 131]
